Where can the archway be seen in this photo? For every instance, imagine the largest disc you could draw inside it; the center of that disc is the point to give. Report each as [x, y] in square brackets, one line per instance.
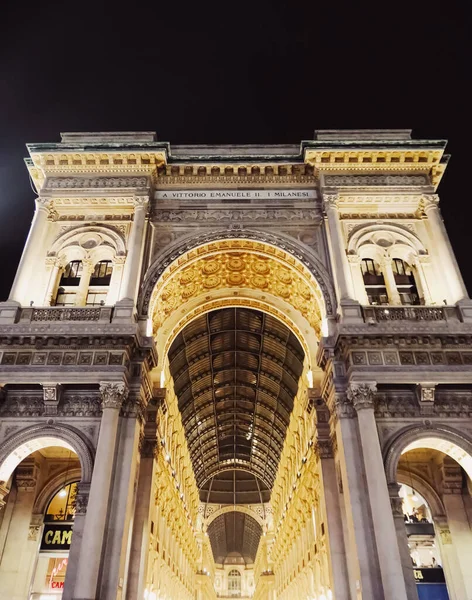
[42, 466]
[29, 440]
[438, 437]
[430, 462]
[236, 320]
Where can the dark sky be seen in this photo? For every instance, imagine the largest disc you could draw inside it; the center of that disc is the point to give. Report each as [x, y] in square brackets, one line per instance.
[258, 72]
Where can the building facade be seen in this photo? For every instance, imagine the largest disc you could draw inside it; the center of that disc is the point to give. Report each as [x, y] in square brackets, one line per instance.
[236, 372]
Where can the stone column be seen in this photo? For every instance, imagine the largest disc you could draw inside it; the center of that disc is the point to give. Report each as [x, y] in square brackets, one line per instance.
[21, 544]
[119, 533]
[362, 397]
[358, 279]
[31, 251]
[447, 264]
[364, 570]
[390, 283]
[422, 283]
[81, 504]
[88, 568]
[54, 268]
[450, 562]
[342, 272]
[138, 564]
[461, 534]
[115, 281]
[402, 539]
[135, 245]
[84, 284]
[336, 549]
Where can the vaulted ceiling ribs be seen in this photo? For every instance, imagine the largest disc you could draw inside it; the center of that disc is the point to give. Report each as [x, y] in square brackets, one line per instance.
[236, 373]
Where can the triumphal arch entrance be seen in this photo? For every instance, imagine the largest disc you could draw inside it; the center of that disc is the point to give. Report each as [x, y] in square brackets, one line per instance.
[236, 372]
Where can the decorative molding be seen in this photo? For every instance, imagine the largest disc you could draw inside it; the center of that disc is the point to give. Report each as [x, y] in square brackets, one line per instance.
[51, 397]
[249, 215]
[113, 394]
[375, 180]
[96, 182]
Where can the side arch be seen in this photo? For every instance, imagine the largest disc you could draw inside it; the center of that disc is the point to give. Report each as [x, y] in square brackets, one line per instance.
[438, 437]
[280, 241]
[425, 489]
[24, 442]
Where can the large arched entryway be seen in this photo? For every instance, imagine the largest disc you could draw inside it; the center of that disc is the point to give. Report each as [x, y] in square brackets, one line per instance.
[236, 324]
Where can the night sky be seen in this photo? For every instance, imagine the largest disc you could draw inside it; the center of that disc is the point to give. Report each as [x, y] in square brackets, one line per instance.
[259, 72]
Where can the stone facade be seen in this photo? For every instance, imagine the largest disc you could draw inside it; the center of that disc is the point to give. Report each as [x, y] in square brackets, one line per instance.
[340, 240]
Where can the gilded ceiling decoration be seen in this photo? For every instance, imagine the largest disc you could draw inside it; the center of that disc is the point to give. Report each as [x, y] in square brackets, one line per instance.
[238, 270]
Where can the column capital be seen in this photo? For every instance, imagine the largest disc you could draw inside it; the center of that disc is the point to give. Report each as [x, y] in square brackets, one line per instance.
[331, 201]
[362, 394]
[430, 201]
[354, 259]
[141, 202]
[341, 407]
[87, 265]
[43, 203]
[396, 501]
[113, 394]
[82, 498]
[324, 448]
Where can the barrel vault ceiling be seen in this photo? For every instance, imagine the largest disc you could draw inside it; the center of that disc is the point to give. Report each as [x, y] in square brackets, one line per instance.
[235, 373]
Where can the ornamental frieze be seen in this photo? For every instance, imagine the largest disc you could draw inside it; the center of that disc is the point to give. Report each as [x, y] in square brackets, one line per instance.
[375, 180]
[179, 216]
[96, 182]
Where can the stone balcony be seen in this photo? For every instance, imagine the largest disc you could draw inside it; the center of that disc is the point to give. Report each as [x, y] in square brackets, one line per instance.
[55, 314]
[381, 314]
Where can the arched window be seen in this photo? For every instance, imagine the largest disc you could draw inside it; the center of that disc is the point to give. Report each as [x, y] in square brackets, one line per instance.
[234, 583]
[72, 273]
[374, 282]
[62, 506]
[405, 281]
[70, 279]
[99, 283]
